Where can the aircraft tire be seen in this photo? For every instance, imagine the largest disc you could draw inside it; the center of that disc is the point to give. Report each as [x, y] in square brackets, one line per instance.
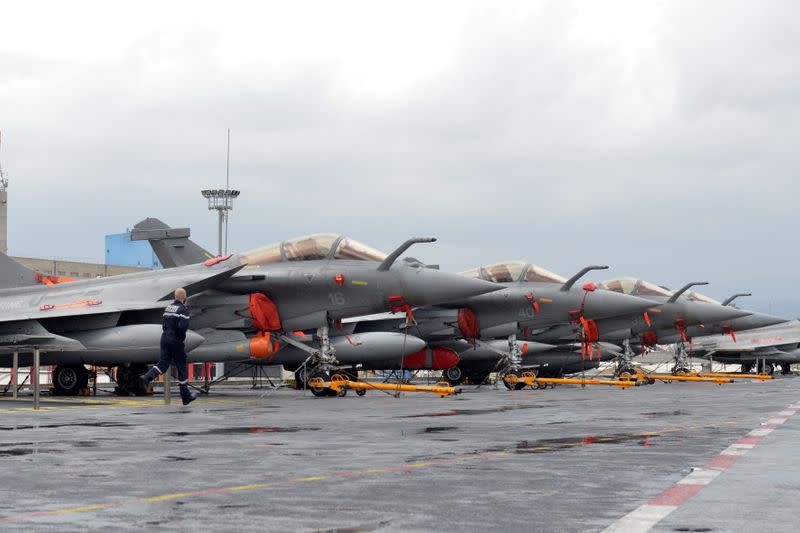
[320, 392]
[513, 386]
[127, 378]
[454, 375]
[299, 378]
[70, 380]
[766, 368]
[786, 369]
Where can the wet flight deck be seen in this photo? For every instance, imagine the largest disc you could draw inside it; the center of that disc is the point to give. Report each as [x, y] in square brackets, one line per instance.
[674, 457]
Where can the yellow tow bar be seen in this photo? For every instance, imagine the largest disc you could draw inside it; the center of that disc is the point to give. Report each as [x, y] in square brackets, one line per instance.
[762, 377]
[340, 384]
[529, 378]
[672, 377]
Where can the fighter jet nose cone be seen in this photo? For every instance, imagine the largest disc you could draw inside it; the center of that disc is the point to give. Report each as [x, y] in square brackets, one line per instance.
[756, 320]
[426, 286]
[605, 304]
[712, 314]
[193, 340]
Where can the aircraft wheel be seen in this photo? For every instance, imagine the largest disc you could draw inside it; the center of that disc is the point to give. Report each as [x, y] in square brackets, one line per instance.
[454, 375]
[70, 380]
[127, 378]
[300, 376]
[320, 391]
[513, 386]
[135, 386]
[361, 392]
[786, 369]
[766, 368]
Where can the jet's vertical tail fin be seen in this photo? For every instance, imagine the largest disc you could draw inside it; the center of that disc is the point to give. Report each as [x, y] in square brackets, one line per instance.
[13, 274]
[172, 246]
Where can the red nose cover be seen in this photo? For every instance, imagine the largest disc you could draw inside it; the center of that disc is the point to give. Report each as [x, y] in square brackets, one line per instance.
[264, 313]
[263, 346]
[436, 358]
[468, 323]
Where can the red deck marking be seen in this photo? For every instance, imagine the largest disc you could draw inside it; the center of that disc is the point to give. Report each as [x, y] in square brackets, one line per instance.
[722, 462]
[646, 516]
[749, 439]
[676, 495]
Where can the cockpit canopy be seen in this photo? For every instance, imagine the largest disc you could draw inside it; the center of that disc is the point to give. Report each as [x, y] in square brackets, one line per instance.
[313, 247]
[640, 287]
[511, 271]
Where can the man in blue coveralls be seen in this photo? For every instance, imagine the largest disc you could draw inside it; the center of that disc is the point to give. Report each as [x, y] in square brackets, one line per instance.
[175, 322]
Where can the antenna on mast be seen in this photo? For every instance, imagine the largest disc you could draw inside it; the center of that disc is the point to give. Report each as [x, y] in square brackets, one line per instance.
[221, 201]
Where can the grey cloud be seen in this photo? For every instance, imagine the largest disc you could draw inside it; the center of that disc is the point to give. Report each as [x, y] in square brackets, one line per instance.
[680, 166]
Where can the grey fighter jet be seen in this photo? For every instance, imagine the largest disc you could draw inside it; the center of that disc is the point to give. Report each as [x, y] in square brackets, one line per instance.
[763, 348]
[531, 300]
[92, 319]
[753, 321]
[307, 284]
[678, 311]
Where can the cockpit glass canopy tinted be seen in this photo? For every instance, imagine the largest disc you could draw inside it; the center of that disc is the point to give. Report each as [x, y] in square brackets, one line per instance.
[635, 287]
[511, 271]
[701, 297]
[312, 247]
[540, 275]
[309, 247]
[354, 250]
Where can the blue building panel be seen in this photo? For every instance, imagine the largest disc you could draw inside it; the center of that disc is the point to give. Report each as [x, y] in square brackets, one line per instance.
[122, 251]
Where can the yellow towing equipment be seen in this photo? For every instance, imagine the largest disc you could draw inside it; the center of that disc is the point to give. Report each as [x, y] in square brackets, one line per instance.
[340, 385]
[529, 378]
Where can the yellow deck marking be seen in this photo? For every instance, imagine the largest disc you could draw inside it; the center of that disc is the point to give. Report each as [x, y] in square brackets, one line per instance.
[334, 475]
[83, 509]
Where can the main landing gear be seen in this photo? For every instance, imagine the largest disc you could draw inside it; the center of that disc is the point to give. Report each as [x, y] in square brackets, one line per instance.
[319, 365]
[513, 365]
[128, 383]
[70, 380]
[681, 366]
[625, 367]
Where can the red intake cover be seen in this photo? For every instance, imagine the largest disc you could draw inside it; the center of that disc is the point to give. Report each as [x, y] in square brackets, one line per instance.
[468, 323]
[264, 313]
[437, 358]
[416, 359]
[443, 358]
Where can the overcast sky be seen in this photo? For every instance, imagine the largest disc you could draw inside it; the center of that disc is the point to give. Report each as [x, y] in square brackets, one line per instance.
[659, 138]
